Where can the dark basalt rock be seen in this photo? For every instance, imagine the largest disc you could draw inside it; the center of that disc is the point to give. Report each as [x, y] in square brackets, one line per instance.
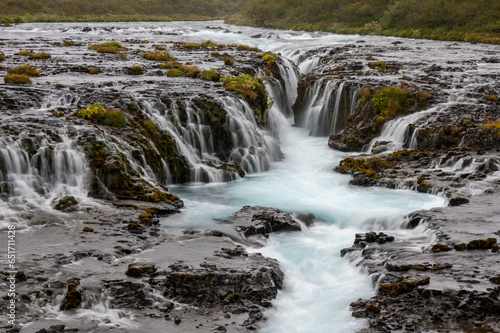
[73, 297]
[457, 201]
[263, 221]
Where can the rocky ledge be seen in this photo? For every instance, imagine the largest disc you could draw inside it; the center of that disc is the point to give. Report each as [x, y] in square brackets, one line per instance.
[451, 285]
[195, 279]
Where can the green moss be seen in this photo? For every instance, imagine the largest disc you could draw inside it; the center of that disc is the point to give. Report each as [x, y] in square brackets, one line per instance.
[391, 101]
[26, 70]
[210, 75]
[108, 47]
[94, 70]
[228, 61]
[380, 66]
[2, 57]
[114, 118]
[41, 55]
[69, 43]
[250, 87]
[73, 297]
[269, 59]
[175, 73]
[25, 53]
[136, 70]
[158, 56]
[17, 79]
[208, 43]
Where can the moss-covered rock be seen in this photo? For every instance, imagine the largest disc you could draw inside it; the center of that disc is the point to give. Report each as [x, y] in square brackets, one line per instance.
[403, 285]
[138, 270]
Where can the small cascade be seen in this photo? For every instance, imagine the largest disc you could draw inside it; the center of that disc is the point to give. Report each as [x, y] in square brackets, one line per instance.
[326, 107]
[284, 90]
[396, 133]
[35, 171]
[215, 152]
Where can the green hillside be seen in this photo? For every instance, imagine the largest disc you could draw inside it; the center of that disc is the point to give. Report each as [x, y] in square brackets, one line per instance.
[116, 10]
[469, 20]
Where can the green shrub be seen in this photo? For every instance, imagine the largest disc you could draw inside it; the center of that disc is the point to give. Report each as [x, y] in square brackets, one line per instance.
[192, 71]
[25, 53]
[108, 47]
[26, 70]
[175, 73]
[249, 87]
[95, 111]
[269, 59]
[41, 55]
[210, 75]
[113, 118]
[2, 57]
[136, 70]
[160, 48]
[69, 43]
[228, 61]
[158, 56]
[391, 101]
[16, 79]
[94, 70]
[167, 65]
[208, 43]
[380, 66]
[215, 54]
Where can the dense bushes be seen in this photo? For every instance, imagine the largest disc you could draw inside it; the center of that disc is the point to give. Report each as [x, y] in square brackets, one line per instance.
[438, 19]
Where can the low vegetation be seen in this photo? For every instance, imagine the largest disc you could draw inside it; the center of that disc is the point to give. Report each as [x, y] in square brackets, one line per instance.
[108, 47]
[16, 79]
[136, 70]
[250, 87]
[98, 114]
[158, 56]
[41, 55]
[2, 57]
[24, 70]
[434, 19]
[94, 70]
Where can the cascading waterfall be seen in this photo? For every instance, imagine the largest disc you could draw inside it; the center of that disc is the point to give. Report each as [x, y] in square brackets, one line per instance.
[395, 133]
[328, 104]
[34, 171]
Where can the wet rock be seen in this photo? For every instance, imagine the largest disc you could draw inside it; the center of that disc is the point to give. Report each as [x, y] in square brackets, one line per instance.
[87, 229]
[403, 285]
[73, 297]
[457, 201]
[66, 204]
[263, 221]
[138, 270]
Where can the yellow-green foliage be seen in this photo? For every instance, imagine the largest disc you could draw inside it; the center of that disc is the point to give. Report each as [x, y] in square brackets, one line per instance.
[192, 71]
[41, 55]
[269, 59]
[94, 111]
[493, 98]
[160, 48]
[158, 56]
[228, 61]
[190, 46]
[215, 54]
[167, 65]
[151, 126]
[242, 47]
[391, 101]
[208, 43]
[136, 70]
[25, 53]
[69, 43]
[17, 79]
[492, 125]
[423, 96]
[94, 70]
[380, 66]
[368, 167]
[250, 87]
[175, 73]
[210, 75]
[97, 113]
[26, 70]
[108, 47]
[113, 118]
[2, 57]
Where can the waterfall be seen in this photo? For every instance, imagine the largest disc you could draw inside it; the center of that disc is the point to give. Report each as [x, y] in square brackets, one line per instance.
[326, 106]
[395, 133]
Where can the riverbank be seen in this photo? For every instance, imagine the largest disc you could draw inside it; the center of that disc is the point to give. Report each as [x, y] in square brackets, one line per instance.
[96, 175]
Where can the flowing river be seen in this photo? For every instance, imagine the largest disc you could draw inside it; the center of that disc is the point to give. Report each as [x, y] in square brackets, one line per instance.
[319, 284]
